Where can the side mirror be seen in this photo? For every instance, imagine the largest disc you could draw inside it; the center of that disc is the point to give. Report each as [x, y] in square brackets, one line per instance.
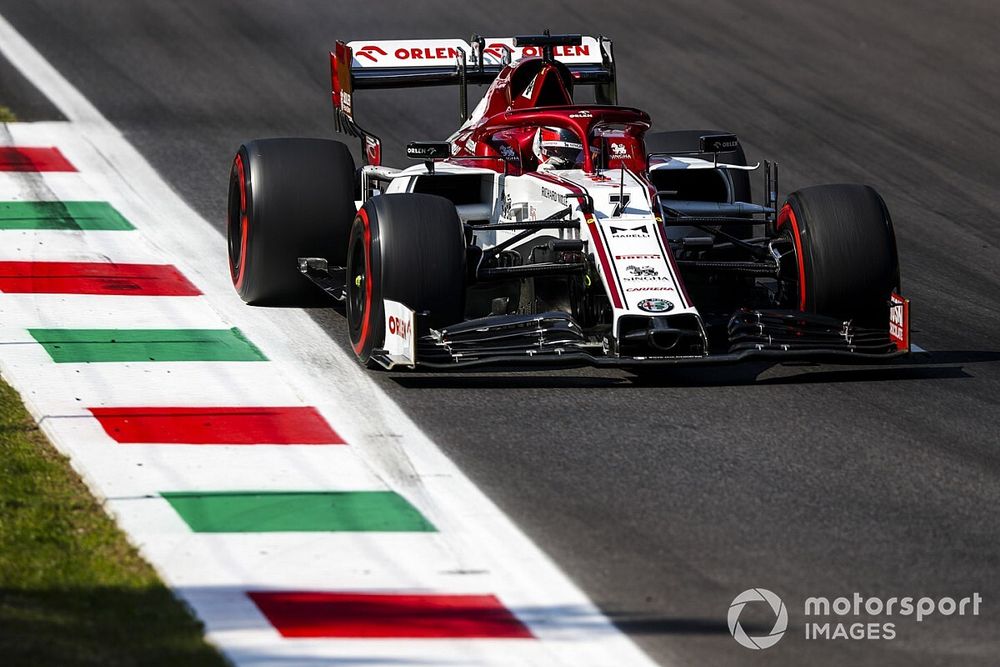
[428, 151]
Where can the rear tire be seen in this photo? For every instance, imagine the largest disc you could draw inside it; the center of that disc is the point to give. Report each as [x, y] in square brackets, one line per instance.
[408, 248]
[288, 198]
[845, 250]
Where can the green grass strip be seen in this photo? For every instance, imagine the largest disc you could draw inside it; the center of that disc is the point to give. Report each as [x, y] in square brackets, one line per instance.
[78, 215]
[268, 512]
[102, 345]
[72, 589]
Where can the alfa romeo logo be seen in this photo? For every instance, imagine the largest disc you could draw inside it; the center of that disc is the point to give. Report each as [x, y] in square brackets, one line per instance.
[780, 620]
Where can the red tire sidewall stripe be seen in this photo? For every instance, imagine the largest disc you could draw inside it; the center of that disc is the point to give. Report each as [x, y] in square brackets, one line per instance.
[788, 215]
[366, 321]
[244, 222]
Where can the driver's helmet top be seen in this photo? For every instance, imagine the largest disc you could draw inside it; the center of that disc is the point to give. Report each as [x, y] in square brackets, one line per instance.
[557, 148]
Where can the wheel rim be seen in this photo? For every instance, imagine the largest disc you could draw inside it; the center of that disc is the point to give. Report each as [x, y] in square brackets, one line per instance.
[356, 287]
[783, 251]
[237, 223]
[789, 226]
[359, 285]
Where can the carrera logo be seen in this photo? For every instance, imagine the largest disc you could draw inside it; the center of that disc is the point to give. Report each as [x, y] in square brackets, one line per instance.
[633, 257]
[649, 289]
[369, 51]
[399, 327]
[630, 232]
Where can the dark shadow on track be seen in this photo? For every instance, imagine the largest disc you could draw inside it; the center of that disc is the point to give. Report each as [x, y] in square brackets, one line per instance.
[945, 365]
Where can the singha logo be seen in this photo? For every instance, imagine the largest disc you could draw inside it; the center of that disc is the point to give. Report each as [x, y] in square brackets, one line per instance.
[642, 271]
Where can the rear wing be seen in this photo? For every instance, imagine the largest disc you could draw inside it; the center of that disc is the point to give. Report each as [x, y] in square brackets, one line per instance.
[414, 63]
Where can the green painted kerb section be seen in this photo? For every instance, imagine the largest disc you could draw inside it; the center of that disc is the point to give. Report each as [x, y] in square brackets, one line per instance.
[283, 511]
[80, 215]
[97, 345]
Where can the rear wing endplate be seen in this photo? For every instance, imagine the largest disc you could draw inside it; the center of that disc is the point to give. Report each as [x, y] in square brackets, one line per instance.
[414, 63]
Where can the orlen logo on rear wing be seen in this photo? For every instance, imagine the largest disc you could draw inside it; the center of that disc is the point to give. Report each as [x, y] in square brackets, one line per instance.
[408, 53]
[588, 52]
[444, 52]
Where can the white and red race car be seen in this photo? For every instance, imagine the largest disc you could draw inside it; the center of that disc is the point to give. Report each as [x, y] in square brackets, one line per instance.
[545, 231]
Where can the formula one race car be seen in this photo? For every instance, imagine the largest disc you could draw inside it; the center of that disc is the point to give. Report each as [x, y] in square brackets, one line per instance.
[544, 231]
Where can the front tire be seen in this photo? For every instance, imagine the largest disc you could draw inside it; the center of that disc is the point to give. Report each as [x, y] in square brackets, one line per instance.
[288, 198]
[408, 248]
[845, 250]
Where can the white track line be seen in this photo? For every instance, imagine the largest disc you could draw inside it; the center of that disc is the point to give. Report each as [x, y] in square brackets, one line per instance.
[475, 534]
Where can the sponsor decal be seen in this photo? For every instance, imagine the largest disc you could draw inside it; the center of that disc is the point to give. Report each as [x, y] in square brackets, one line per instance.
[497, 47]
[508, 153]
[428, 53]
[554, 196]
[369, 52]
[505, 210]
[581, 114]
[411, 53]
[373, 150]
[530, 89]
[650, 289]
[619, 152]
[497, 50]
[632, 257]
[400, 327]
[899, 321]
[630, 232]
[345, 102]
[558, 51]
[641, 271]
[400, 341]
[656, 305]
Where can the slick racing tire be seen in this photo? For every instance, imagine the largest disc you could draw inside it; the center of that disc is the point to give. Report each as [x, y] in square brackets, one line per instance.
[687, 142]
[288, 198]
[408, 248]
[845, 251]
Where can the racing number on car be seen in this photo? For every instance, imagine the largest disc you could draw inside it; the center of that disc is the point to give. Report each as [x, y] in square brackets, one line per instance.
[621, 203]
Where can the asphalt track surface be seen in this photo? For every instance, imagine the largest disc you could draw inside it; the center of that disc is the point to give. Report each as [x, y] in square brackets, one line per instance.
[665, 500]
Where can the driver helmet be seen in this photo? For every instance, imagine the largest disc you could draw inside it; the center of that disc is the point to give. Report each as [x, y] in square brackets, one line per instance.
[557, 148]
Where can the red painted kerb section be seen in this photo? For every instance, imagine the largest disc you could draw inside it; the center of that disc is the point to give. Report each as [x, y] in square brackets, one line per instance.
[381, 615]
[94, 278]
[217, 425]
[21, 158]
